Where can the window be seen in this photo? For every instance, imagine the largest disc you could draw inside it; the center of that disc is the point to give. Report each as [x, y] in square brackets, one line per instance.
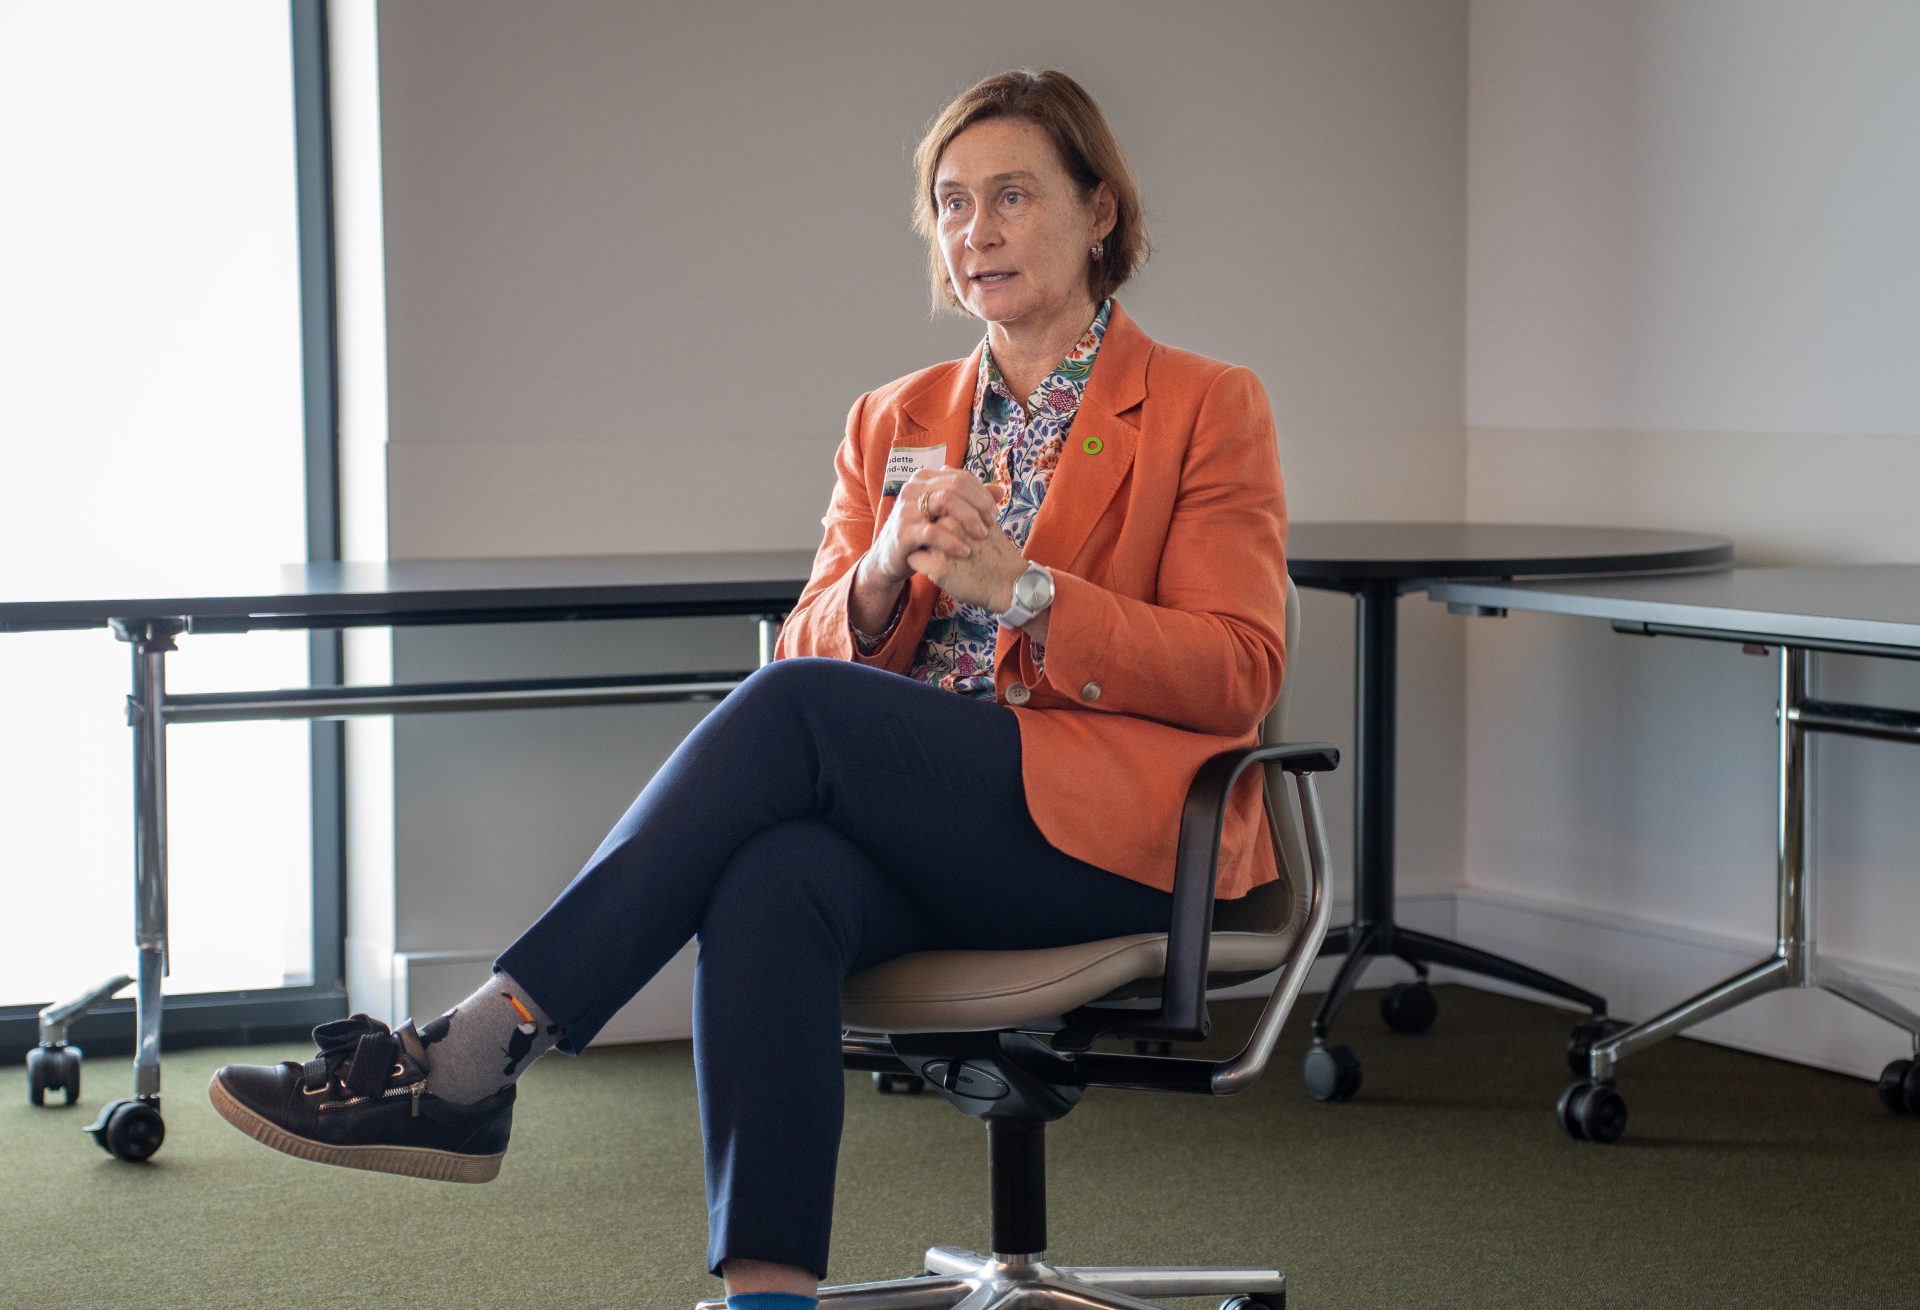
[155, 408]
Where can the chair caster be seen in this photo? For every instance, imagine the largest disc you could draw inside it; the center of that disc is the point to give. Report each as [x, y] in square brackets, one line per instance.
[1256, 1301]
[1592, 1112]
[907, 1084]
[1409, 1007]
[129, 1130]
[1582, 1040]
[1332, 1073]
[1900, 1086]
[51, 1068]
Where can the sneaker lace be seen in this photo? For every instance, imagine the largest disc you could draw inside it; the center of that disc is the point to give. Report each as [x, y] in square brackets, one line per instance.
[360, 1052]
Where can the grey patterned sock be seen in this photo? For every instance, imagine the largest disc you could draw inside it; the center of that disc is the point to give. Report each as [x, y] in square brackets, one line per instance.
[483, 1043]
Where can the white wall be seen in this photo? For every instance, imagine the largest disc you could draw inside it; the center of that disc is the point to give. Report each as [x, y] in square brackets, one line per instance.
[1691, 303]
[641, 257]
[1580, 262]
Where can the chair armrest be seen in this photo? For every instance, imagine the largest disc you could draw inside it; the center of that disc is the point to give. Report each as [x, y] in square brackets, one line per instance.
[1182, 1014]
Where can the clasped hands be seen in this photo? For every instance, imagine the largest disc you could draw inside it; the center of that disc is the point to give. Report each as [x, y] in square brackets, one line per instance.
[945, 526]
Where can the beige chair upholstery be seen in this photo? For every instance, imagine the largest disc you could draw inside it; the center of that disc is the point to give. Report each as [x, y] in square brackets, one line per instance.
[973, 991]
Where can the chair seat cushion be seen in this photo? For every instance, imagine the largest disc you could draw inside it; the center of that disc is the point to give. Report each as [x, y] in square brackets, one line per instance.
[971, 991]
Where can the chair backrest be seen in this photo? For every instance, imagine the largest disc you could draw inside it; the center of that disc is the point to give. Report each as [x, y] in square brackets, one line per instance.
[1277, 906]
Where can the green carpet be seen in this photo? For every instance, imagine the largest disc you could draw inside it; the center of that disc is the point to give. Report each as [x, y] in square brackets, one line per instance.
[1741, 1182]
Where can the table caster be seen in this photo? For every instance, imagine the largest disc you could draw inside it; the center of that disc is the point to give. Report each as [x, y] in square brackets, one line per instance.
[1900, 1086]
[129, 1130]
[54, 1065]
[51, 1068]
[910, 1084]
[1592, 1112]
[1332, 1073]
[1409, 1007]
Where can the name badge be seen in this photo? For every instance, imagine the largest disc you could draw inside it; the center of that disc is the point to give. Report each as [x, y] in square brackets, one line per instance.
[904, 461]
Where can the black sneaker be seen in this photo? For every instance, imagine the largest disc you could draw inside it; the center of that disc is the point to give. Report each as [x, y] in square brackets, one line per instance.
[363, 1103]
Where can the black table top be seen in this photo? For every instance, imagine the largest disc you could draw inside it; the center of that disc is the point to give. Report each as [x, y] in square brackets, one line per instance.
[245, 595]
[1868, 608]
[1333, 554]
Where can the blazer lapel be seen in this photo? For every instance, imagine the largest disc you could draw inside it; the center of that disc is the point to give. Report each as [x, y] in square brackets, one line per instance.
[1098, 453]
[941, 412]
[1099, 449]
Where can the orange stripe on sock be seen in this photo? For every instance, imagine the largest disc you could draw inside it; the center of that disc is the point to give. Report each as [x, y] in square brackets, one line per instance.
[518, 1008]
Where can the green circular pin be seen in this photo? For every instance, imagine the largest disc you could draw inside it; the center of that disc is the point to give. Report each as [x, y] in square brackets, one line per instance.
[1093, 445]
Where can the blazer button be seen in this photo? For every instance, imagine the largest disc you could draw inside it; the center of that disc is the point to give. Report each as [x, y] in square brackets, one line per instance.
[1017, 694]
[1090, 692]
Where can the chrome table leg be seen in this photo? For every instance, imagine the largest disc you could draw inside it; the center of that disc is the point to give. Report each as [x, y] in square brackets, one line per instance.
[1845, 985]
[1795, 961]
[133, 1129]
[1766, 976]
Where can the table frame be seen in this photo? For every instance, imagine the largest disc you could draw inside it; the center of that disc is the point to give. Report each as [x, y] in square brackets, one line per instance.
[1795, 961]
[151, 709]
[1374, 931]
[1376, 564]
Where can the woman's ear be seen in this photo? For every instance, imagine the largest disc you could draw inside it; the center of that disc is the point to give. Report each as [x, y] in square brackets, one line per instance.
[1105, 211]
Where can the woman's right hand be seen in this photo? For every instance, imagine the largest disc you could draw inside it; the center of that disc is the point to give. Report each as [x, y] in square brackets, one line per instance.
[942, 509]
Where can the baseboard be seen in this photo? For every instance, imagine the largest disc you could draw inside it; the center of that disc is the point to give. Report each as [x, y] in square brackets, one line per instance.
[428, 983]
[1429, 912]
[1641, 967]
[1644, 967]
[371, 969]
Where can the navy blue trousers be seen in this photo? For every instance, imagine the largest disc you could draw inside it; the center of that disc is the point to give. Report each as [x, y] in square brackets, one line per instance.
[825, 817]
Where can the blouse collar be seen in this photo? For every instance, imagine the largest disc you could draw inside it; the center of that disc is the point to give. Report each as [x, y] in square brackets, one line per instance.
[1060, 391]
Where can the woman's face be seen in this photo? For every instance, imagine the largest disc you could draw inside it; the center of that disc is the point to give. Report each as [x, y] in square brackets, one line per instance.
[1013, 228]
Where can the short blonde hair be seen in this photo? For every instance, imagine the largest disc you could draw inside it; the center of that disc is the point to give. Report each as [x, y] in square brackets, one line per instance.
[1086, 145]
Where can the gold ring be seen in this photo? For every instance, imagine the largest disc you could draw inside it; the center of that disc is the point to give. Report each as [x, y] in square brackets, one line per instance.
[926, 507]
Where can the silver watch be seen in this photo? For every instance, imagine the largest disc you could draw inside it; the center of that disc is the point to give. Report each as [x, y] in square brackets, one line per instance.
[1032, 593]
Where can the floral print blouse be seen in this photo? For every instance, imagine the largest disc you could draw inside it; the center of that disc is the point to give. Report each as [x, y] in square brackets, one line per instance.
[1018, 446]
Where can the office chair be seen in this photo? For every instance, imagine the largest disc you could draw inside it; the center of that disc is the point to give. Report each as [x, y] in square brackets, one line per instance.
[1006, 1036]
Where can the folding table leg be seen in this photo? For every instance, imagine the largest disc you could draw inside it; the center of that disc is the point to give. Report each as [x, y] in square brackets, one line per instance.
[133, 1129]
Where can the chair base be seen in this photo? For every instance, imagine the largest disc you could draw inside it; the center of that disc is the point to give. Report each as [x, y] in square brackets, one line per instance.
[961, 1280]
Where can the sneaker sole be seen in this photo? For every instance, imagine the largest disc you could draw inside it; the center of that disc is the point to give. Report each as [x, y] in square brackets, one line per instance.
[412, 1161]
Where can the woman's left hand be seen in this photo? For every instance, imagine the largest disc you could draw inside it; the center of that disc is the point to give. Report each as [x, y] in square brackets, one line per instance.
[985, 577]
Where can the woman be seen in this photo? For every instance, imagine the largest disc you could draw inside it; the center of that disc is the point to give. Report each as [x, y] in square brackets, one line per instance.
[1071, 543]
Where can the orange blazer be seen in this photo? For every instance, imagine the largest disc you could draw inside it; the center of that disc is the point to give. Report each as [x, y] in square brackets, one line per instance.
[1165, 528]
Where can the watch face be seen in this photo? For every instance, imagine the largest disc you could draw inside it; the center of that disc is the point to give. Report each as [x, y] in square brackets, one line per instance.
[1033, 590]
